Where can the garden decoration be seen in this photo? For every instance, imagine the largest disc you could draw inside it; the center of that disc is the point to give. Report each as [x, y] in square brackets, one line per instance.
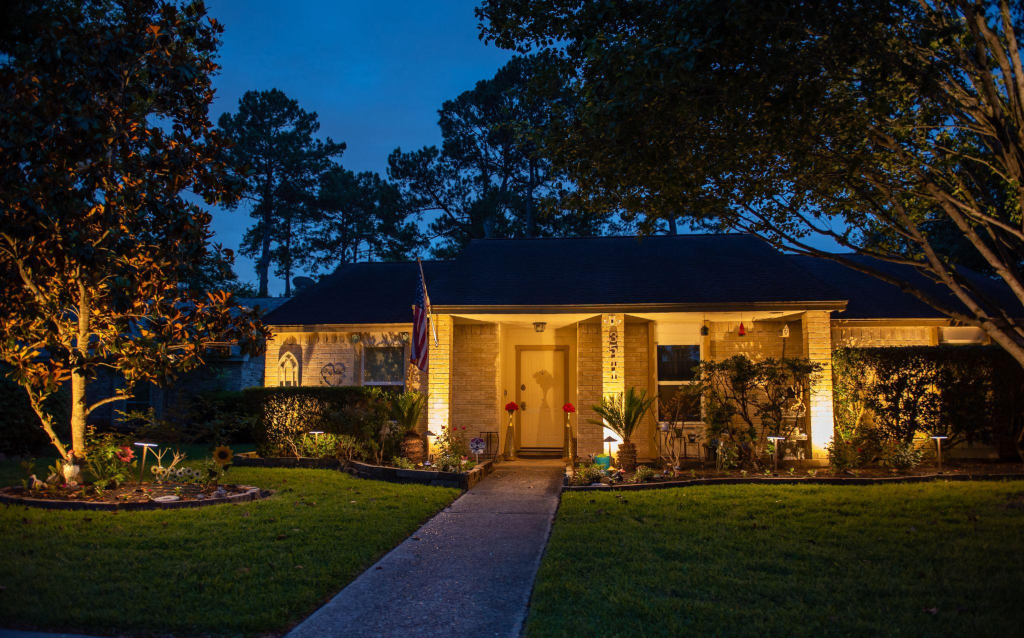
[477, 446]
[430, 455]
[510, 445]
[609, 440]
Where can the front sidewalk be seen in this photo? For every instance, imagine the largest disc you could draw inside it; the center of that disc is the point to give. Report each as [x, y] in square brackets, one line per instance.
[468, 572]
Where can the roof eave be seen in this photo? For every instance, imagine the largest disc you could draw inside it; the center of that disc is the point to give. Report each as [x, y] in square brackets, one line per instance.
[625, 308]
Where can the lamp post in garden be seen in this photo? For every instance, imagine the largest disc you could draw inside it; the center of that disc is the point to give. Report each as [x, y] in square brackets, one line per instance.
[609, 440]
[938, 448]
[775, 450]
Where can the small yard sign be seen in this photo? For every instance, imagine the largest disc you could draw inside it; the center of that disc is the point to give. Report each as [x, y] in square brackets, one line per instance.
[477, 446]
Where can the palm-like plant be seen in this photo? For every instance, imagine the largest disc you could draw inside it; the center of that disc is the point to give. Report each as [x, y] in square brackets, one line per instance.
[622, 415]
[405, 410]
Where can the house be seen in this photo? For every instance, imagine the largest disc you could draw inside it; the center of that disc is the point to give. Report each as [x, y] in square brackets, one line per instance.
[543, 322]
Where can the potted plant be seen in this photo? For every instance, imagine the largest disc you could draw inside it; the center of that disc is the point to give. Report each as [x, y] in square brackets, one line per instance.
[406, 409]
[622, 415]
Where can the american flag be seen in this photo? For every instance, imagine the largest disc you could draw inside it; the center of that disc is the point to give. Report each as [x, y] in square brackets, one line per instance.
[420, 321]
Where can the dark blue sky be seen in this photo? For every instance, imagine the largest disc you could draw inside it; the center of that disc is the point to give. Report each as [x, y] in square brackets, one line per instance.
[375, 72]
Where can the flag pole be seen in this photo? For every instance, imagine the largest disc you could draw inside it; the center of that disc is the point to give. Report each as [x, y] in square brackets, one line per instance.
[430, 314]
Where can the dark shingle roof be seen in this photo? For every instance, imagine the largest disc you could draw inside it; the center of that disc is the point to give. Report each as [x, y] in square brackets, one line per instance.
[360, 293]
[872, 298]
[678, 269]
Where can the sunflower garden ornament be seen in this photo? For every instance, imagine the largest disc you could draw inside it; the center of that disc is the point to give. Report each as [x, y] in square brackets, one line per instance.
[223, 455]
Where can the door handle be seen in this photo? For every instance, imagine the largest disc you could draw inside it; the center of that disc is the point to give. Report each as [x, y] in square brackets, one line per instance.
[522, 406]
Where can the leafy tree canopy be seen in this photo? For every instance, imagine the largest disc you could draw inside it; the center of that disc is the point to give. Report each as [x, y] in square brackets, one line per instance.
[890, 127]
[104, 128]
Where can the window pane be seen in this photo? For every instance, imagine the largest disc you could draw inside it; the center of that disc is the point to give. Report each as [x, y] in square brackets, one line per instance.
[676, 407]
[384, 365]
[676, 363]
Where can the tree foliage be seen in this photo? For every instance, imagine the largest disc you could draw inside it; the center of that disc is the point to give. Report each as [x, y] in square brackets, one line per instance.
[104, 128]
[892, 128]
[273, 147]
[492, 176]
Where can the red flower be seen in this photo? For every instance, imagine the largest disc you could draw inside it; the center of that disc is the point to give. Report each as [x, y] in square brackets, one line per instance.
[463, 427]
[568, 408]
[511, 407]
[124, 454]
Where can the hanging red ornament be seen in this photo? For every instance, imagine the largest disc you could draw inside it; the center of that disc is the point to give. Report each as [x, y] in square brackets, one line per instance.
[742, 331]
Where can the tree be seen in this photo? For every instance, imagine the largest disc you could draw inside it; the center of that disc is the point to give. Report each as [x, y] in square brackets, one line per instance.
[890, 127]
[492, 176]
[274, 149]
[360, 217]
[105, 128]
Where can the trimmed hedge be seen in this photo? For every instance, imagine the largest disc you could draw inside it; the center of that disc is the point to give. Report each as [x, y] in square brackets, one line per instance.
[284, 414]
[972, 394]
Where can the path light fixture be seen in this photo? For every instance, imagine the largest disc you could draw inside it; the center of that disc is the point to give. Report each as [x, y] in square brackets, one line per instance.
[316, 434]
[609, 440]
[540, 326]
[429, 434]
[938, 448]
[775, 451]
[145, 446]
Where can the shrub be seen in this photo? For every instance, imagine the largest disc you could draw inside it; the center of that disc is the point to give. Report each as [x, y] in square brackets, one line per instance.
[842, 455]
[899, 455]
[109, 458]
[967, 393]
[218, 418]
[283, 415]
[403, 463]
[588, 474]
[643, 474]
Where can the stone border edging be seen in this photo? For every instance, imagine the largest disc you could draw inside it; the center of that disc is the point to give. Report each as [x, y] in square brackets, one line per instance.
[923, 478]
[463, 480]
[10, 496]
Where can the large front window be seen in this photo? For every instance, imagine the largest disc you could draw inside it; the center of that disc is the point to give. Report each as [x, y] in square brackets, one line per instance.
[384, 366]
[677, 370]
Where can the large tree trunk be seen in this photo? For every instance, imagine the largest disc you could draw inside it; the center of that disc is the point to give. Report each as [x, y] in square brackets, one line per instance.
[264, 265]
[78, 405]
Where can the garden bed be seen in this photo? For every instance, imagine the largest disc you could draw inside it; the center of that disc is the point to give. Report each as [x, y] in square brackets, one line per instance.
[152, 496]
[864, 476]
[463, 480]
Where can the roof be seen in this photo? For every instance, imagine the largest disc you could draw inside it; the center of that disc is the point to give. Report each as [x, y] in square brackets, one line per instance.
[607, 271]
[871, 298]
[264, 304]
[359, 293]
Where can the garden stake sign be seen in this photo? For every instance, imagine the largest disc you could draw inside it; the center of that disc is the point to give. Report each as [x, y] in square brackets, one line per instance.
[477, 446]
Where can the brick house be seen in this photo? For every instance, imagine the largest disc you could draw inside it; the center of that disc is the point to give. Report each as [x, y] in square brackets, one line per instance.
[548, 321]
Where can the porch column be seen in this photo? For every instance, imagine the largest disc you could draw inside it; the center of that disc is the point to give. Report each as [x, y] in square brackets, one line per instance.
[817, 337]
[439, 374]
[613, 355]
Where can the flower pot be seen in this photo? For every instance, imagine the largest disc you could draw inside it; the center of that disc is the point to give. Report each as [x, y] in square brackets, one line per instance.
[603, 461]
[414, 448]
[627, 456]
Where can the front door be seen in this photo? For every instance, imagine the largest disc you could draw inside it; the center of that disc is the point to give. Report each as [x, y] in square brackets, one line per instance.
[541, 397]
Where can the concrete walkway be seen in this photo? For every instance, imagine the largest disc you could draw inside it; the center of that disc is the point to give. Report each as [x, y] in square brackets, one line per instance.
[468, 572]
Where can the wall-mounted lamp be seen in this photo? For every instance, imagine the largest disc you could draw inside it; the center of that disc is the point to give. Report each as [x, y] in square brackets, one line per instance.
[539, 326]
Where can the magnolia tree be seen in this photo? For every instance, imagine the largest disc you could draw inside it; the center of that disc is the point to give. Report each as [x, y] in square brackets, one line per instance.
[106, 141]
[893, 129]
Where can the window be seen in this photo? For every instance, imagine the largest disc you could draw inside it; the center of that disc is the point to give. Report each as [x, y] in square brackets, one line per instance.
[384, 366]
[676, 366]
[288, 370]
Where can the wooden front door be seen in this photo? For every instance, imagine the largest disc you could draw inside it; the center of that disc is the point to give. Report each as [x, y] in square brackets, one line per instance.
[541, 393]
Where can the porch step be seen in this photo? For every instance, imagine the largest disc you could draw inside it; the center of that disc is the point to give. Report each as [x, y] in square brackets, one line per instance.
[540, 453]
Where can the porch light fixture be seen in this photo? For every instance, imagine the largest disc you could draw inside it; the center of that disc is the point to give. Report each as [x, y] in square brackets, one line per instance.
[539, 326]
[704, 331]
[938, 448]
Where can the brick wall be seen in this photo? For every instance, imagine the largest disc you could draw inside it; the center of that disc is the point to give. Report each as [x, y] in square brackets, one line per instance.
[325, 358]
[817, 342]
[439, 370]
[883, 336]
[475, 378]
[763, 339]
[638, 369]
[588, 387]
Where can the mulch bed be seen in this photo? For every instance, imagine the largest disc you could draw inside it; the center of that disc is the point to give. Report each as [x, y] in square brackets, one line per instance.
[150, 496]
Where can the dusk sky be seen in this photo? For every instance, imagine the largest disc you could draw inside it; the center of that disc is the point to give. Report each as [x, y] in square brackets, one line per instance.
[375, 72]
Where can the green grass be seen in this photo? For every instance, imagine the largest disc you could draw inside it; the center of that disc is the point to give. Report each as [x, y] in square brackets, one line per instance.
[936, 559]
[249, 569]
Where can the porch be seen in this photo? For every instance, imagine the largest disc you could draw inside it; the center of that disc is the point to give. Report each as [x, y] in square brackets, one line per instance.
[482, 361]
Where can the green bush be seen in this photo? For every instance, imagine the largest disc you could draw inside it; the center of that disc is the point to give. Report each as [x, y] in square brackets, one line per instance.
[20, 430]
[967, 393]
[219, 418]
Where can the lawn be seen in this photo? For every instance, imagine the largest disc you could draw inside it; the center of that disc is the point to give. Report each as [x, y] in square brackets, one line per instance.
[249, 569]
[936, 559]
